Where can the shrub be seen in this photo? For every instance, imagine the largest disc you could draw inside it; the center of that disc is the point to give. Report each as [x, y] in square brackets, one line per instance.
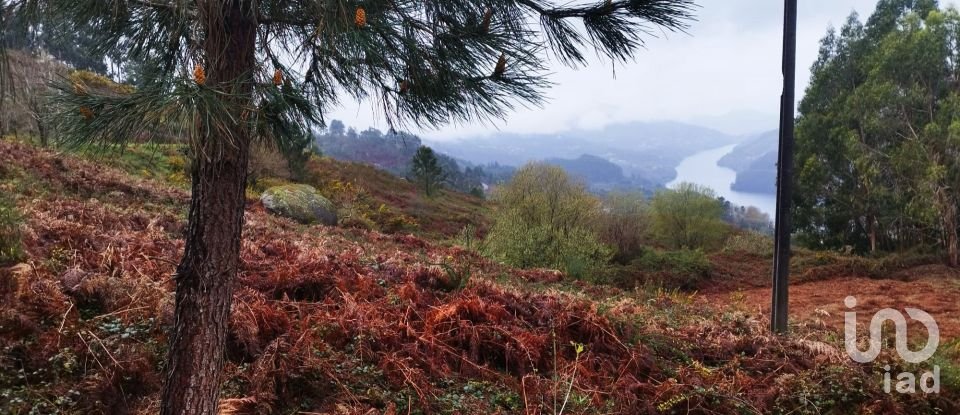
[750, 242]
[11, 248]
[477, 192]
[674, 269]
[546, 219]
[522, 244]
[264, 183]
[623, 224]
[688, 217]
[267, 161]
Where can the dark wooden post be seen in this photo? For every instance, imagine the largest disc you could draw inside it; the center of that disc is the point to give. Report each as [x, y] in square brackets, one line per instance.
[781, 260]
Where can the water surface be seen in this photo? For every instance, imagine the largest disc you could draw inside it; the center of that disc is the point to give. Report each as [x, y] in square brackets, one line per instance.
[702, 169]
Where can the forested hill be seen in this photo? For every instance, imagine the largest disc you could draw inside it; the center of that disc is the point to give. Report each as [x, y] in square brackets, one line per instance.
[647, 151]
[393, 152]
[755, 161]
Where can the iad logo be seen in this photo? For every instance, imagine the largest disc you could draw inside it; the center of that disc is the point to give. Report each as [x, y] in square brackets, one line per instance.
[906, 382]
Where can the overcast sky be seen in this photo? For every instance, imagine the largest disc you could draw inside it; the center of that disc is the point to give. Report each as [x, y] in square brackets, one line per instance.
[725, 73]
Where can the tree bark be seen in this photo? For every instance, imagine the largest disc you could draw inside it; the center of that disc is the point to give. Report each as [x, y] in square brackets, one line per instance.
[206, 274]
[949, 213]
[953, 247]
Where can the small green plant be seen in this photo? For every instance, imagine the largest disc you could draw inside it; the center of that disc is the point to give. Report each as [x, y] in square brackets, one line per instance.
[458, 275]
[477, 192]
[11, 246]
[579, 349]
[459, 272]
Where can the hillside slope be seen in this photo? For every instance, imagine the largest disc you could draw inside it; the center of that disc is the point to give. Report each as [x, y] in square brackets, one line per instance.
[755, 161]
[345, 321]
[647, 151]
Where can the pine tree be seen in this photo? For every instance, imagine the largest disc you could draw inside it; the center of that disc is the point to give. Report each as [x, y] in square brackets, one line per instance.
[427, 171]
[425, 62]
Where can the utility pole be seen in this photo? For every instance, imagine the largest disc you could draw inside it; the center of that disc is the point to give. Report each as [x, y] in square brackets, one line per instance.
[783, 226]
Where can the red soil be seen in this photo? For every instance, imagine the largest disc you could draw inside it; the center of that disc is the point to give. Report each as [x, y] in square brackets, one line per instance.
[932, 288]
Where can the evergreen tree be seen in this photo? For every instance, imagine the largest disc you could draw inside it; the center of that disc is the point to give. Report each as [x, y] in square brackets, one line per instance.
[336, 128]
[878, 154]
[231, 71]
[427, 171]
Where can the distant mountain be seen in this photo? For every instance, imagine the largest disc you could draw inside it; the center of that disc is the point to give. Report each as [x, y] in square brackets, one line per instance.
[600, 174]
[647, 152]
[755, 162]
[739, 122]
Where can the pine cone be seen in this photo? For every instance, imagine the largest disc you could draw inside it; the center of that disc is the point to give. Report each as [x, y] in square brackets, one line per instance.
[87, 113]
[501, 66]
[277, 78]
[360, 18]
[404, 86]
[487, 17]
[199, 75]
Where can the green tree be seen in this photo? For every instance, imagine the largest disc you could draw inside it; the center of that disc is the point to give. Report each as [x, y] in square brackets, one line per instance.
[230, 71]
[877, 154]
[688, 217]
[546, 219]
[426, 170]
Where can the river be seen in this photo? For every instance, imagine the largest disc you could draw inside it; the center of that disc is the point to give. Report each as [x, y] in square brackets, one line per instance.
[702, 169]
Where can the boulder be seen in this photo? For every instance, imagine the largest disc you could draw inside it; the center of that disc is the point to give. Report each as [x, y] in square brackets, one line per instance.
[301, 203]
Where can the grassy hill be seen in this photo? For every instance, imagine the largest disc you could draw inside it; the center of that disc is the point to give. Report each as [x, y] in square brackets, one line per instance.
[342, 320]
[368, 197]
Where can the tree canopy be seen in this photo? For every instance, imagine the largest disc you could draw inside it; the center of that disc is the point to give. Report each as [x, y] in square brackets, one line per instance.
[877, 152]
[423, 62]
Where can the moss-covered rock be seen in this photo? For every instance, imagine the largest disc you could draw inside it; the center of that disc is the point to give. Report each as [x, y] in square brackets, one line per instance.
[299, 202]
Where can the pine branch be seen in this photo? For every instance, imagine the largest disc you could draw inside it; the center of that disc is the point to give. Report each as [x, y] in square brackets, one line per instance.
[424, 62]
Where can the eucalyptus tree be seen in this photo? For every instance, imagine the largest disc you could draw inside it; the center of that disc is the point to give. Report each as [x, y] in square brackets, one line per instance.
[231, 71]
[878, 136]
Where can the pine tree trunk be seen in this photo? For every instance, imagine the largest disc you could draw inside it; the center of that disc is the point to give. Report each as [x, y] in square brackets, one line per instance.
[206, 274]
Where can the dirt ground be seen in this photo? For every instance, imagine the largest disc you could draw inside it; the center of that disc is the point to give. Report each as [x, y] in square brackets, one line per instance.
[932, 288]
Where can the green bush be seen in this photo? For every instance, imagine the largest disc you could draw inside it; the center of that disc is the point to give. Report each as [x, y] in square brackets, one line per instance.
[673, 269]
[547, 219]
[575, 251]
[11, 247]
[688, 217]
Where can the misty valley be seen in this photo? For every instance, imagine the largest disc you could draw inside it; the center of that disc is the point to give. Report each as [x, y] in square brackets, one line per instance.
[453, 207]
